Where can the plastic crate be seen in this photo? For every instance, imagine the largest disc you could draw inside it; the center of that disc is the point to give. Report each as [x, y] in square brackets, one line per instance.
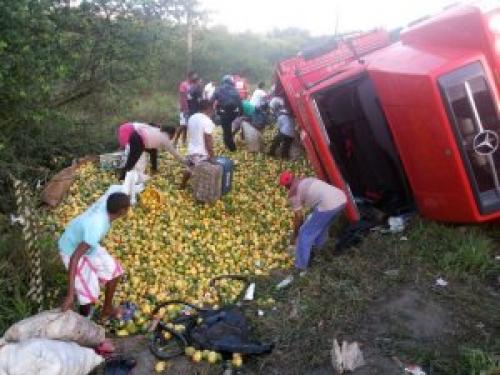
[112, 160]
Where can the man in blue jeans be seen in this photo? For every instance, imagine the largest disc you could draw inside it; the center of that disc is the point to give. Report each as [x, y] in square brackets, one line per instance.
[326, 203]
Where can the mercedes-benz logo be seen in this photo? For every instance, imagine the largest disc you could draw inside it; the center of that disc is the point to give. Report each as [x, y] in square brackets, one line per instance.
[486, 142]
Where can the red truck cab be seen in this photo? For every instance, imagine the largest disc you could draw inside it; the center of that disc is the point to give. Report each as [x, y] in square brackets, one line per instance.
[407, 123]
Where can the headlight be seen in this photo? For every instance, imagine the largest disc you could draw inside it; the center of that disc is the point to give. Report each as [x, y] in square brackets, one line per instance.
[495, 24]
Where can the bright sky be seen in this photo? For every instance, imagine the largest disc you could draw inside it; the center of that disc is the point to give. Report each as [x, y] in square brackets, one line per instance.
[318, 16]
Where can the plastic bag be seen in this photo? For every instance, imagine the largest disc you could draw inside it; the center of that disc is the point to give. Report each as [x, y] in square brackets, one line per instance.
[346, 358]
[131, 179]
[47, 357]
[57, 325]
[253, 137]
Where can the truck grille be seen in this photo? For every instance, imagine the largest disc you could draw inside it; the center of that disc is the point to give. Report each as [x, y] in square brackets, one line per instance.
[476, 121]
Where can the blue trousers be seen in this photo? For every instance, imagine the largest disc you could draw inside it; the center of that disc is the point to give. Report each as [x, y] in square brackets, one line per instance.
[314, 232]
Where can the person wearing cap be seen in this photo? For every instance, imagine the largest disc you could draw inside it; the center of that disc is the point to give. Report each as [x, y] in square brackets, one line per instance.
[228, 105]
[137, 137]
[325, 201]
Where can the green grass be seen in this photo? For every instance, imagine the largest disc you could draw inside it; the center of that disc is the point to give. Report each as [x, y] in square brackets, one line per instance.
[478, 362]
[458, 252]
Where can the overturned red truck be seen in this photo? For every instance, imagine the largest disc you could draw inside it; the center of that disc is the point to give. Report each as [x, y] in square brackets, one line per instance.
[406, 123]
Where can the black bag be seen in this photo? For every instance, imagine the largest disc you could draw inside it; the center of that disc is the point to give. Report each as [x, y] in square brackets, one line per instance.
[228, 98]
[224, 330]
[259, 119]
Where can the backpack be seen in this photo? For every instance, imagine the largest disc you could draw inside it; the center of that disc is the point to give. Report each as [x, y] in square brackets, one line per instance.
[227, 97]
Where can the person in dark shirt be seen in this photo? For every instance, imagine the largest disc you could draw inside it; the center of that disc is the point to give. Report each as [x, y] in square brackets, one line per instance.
[228, 106]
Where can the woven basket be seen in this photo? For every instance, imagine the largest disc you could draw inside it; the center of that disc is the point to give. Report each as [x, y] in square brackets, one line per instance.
[207, 182]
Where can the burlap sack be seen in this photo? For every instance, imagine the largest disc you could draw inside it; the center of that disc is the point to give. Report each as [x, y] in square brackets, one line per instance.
[207, 182]
[253, 137]
[57, 325]
[56, 189]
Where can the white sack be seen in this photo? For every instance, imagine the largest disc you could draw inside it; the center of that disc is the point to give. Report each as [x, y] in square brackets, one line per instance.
[47, 357]
[57, 325]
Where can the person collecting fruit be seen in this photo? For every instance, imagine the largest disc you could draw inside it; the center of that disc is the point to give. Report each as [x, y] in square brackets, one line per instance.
[87, 262]
[326, 203]
[137, 138]
[200, 139]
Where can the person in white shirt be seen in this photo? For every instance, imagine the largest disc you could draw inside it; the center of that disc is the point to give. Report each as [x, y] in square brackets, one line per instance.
[286, 129]
[259, 95]
[208, 90]
[200, 141]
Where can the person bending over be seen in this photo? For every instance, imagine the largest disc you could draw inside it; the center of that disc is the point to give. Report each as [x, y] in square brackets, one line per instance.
[87, 262]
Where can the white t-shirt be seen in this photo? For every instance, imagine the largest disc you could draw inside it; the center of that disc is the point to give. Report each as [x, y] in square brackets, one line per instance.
[312, 193]
[286, 125]
[258, 97]
[199, 124]
[208, 91]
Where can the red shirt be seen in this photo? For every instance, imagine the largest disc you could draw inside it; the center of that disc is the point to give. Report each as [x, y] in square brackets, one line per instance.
[183, 94]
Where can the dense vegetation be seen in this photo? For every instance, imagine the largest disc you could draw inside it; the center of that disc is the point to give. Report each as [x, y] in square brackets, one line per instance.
[69, 73]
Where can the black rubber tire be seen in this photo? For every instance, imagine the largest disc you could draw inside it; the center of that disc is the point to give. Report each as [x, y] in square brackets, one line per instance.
[167, 350]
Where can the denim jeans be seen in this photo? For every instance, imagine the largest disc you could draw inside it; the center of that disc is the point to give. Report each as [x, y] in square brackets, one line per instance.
[314, 232]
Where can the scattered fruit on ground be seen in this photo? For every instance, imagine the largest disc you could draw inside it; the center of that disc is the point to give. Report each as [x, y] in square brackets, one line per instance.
[170, 246]
[212, 357]
[237, 360]
[197, 356]
[189, 351]
[122, 333]
[160, 366]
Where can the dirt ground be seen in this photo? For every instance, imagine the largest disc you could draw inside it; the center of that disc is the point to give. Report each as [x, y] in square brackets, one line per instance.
[379, 295]
[405, 320]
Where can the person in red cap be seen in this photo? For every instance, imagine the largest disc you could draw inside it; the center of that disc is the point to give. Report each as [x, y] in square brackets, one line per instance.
[326, 203]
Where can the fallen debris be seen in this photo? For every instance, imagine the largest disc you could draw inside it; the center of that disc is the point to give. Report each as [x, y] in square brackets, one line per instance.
[414, 370]
[346, 358]
[285, 282]
[441, 282]
[392, 273]
[249, 294]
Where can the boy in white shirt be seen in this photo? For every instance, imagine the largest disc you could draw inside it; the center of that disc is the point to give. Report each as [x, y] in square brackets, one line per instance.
[200, 139]
[259, 95]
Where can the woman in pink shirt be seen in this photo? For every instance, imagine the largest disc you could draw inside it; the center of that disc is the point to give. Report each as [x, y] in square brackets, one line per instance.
[139, 138]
